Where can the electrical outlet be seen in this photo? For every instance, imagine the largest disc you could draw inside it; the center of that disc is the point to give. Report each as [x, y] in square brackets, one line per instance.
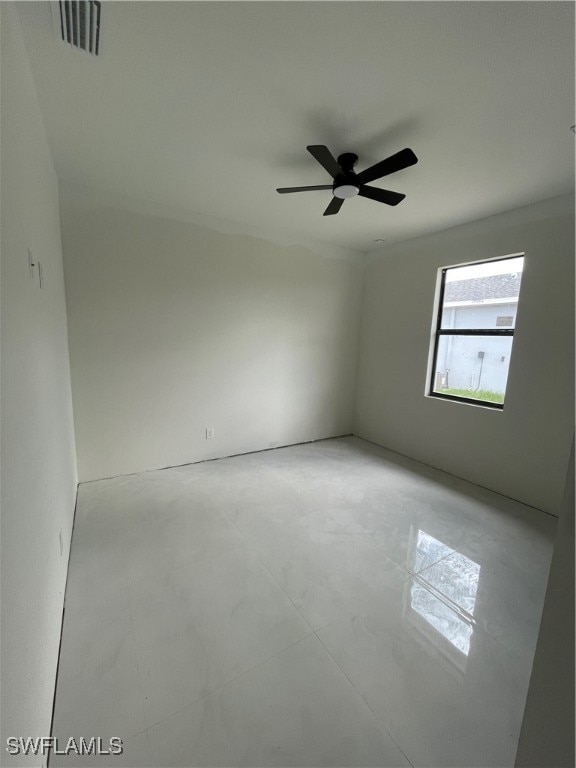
[209, 433]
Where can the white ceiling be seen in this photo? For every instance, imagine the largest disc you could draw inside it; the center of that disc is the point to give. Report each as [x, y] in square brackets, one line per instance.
[209, 106]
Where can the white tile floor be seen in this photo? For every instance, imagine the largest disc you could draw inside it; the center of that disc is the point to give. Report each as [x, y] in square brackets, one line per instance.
[328, 604]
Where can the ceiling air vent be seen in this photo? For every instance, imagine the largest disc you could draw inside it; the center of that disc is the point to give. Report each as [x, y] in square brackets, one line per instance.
[80, 24]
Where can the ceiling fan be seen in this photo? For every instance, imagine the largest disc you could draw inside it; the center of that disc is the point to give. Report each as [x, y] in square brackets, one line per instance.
[347, 183]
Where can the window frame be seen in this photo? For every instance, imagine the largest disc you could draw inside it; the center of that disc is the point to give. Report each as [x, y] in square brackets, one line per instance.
[439, 332]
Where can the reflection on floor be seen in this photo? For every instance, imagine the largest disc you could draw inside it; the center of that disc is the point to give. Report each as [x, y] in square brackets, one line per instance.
[328, 604]
[446, 597]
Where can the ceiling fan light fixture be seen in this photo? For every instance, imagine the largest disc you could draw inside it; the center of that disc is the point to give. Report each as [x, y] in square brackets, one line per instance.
[344, 191]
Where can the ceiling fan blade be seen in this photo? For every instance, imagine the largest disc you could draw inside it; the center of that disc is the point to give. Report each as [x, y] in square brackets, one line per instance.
[394, 163]
[323, 155]
[285, 190]
[382, 195]
[334, 206]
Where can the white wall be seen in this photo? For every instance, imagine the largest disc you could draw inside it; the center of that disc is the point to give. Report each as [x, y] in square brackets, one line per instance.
[175, 328]
[38, 457]
[547, 735]
[522, 450]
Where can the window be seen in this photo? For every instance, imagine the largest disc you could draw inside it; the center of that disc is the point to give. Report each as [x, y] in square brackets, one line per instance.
[475, 330]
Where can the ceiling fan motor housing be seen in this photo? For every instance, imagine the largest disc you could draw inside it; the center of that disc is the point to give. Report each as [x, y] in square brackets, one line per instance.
[347, 161]
[345, 185]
